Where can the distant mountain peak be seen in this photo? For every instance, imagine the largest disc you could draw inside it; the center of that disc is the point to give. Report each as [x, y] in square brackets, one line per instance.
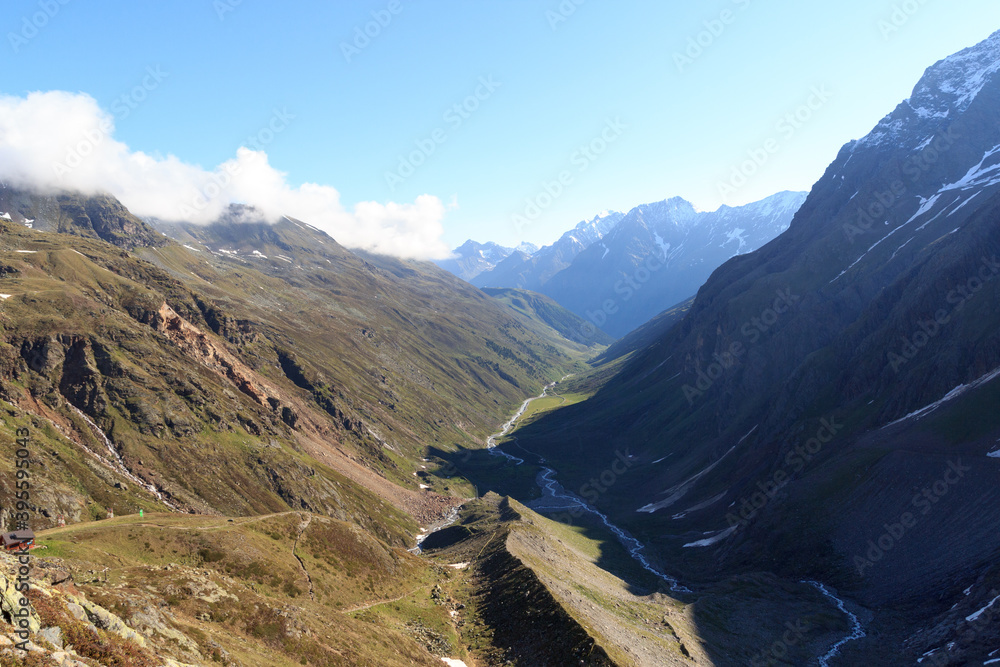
[532, 266]
[659, 254]
[472, 258]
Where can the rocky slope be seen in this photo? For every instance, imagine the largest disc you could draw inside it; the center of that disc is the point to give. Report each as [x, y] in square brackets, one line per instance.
[101, 217]
[823, 409]
[225, 379]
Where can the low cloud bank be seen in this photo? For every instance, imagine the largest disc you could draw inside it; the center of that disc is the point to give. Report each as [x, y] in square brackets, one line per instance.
[52, 141]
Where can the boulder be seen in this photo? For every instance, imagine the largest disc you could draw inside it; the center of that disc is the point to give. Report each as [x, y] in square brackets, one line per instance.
[52, 635]
[10, 604]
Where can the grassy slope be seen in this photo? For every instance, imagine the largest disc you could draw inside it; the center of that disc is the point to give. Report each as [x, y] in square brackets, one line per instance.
[367, 364]
[380, 357]
[429, 358]
[236, 585]
[544, 309]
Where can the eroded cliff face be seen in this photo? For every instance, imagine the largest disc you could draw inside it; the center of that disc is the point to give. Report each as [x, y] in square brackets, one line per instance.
[197, 344]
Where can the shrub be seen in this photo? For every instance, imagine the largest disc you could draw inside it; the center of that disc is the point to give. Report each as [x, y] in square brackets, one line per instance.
[210, 555]
[268, 625]
[107, 648]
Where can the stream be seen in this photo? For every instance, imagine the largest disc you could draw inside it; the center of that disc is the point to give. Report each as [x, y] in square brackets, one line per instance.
[116, 462]
[857, 631]
[556, 498]
[565, 501]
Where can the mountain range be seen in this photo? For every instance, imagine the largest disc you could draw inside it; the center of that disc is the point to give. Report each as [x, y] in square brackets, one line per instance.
[471, 258]
[617, 271]
[530, 271]
[267, 448]
[659, 254]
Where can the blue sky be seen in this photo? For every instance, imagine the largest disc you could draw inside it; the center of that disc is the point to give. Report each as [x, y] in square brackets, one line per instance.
[556, 82]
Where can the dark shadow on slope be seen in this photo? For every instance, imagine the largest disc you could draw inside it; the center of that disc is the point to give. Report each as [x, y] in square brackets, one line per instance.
[489, 472]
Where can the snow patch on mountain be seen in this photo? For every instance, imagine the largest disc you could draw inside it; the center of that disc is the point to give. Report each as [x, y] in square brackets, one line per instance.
[925, 206]
[736, 235]
[964, 204]
[679, 491]
[984, 174]
[995, 454]
[972, 617]
[718, 537]
[663, 245]
[974, 66]
[950, 396]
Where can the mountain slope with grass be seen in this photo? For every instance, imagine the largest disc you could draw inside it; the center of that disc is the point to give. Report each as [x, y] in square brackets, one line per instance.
[303, 375]
[544, 309]
[282, 589]
[256, 371]
[560, 594]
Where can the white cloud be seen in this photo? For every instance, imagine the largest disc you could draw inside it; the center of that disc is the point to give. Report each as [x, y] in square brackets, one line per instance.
[64, 141]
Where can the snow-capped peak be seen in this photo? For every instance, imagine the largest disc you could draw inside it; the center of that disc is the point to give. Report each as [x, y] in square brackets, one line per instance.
[527, 248]
[960, 77]
[946, 90]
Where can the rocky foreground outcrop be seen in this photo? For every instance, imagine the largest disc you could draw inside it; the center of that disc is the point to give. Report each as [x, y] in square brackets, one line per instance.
[60, 626]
